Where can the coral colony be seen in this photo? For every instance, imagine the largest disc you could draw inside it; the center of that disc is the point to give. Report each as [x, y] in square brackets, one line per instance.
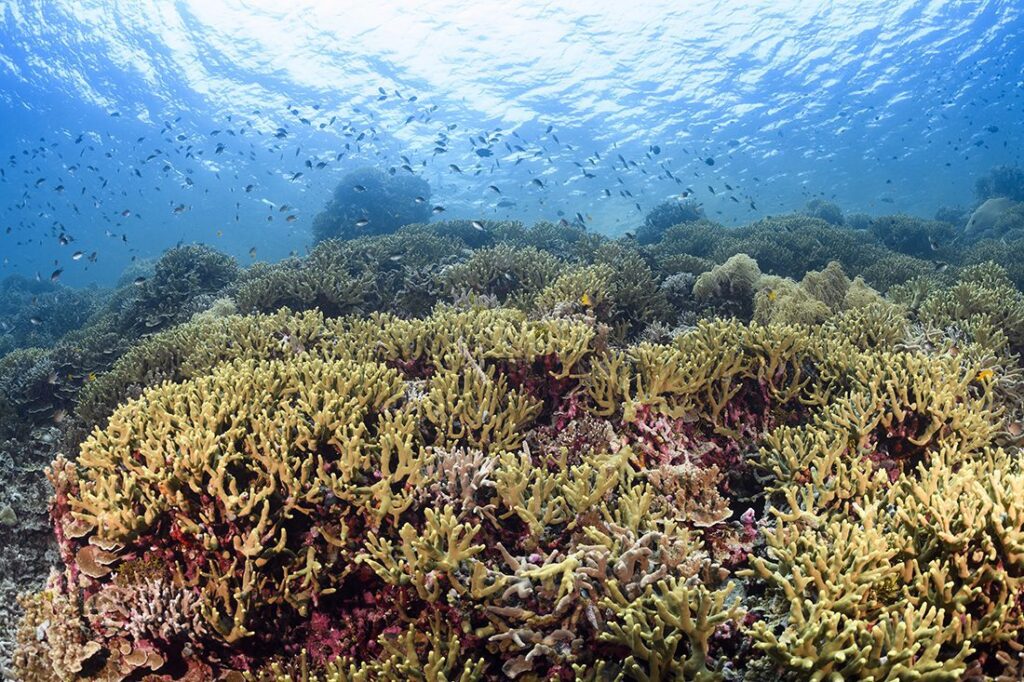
[476, 450]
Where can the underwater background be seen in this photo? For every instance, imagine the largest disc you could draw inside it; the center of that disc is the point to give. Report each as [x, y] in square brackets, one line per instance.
[521, 340]
[881, 107]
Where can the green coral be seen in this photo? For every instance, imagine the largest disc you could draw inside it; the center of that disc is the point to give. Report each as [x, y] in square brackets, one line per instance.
[502, 272]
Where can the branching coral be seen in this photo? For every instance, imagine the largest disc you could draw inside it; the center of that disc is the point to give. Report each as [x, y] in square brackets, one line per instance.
[511, 491]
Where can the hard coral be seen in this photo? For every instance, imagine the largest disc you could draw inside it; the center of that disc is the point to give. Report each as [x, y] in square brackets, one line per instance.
[495, 491]
[370, 202]
[665, 215]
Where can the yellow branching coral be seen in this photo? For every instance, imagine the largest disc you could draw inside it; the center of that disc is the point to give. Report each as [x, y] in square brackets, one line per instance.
[479, 494]
[667, 629]
[474, 407]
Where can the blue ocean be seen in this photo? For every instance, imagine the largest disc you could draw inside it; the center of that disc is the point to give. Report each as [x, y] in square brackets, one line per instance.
[537, 340]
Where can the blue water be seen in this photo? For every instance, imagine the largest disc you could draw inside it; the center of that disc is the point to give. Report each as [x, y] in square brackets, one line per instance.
[882, 107]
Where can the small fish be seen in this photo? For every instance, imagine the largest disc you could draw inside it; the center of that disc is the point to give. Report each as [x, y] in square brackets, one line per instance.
[139, 281]
[419, 200]
[586, 301]
[985, 375]
[537, 182]
[77, 255]
[252, 252]
[55, 275]
[494, 189]
[709, 161]
[483, 152]
[941, 266]
[454, 168]
[437, 209]
[35, 320]
[477, 225]
[291, 219]
[395, 258]
[772, 295]
[59, 415]
[932, 243]
[91, 377]
[362, 222]
[359, 188]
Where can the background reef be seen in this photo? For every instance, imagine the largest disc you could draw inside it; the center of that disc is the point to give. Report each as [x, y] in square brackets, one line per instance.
[485, 450]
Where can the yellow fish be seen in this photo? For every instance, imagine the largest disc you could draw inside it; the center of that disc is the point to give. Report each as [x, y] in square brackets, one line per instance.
[772, 295]
[985, 375]
[585, 300]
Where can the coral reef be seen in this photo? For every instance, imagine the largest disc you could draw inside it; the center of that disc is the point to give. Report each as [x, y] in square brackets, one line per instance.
[666, 214]
[37, 314]
[477, 450]
[1001, 181]
[928, 239]
[181, 275]
[370, 202]
[825, 210]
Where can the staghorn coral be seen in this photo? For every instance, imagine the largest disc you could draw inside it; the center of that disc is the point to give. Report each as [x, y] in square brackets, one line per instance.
[37, 314]
[983, 304]
[503, 272]
[361, 505]
[893, 269]
[818, 296]
[914, 236]
[494, 492]
[790, 245]
[180, 275]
